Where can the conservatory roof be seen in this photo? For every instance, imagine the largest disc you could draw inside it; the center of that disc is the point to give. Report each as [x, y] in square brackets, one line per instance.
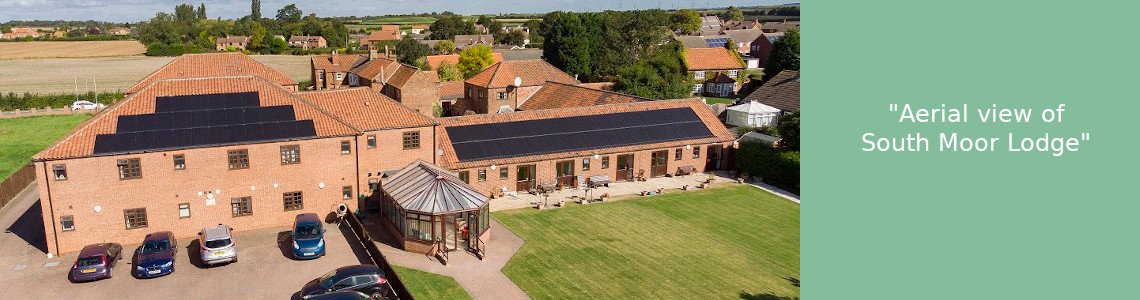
[426, 188]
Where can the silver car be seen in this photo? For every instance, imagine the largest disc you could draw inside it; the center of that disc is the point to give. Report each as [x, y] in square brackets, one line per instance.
[217, 244]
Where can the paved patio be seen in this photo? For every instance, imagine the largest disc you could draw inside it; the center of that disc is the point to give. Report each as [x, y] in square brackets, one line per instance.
[674, 183]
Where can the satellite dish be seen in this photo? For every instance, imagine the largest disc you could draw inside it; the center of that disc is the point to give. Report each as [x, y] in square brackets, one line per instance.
[518, 81]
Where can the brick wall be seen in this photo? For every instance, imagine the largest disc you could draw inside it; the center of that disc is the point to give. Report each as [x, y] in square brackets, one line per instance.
[95, 182]
[390, 154]
[490, 103]
[419, 94]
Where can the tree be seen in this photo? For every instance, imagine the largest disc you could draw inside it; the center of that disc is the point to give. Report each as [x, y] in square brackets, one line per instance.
[74, 33]
[496, 30]
[411, 51]
[274, 45]
[474, 59]
[447, 28]
[516, 38]
[289, 14]
[335, 33]
[184, 13]
[312, 25]
[255, 10]
[661, 75]
[785, 55]
[5, 28]
[685, 21]
[444, 47]
[448, 72]
[789, 128]
[734, 14]
[567, 44]
[535, 28]
[484, 20]
[201, 11]
[257, 37]
[731, 46]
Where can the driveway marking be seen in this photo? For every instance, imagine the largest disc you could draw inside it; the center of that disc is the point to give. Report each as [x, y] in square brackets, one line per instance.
[51, 264]
[20, 267]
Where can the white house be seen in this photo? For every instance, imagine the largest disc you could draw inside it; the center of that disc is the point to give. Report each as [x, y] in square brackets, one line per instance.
[752, 114]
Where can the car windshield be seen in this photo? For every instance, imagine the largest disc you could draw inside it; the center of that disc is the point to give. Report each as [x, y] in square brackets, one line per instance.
[305, 232]
[156, 246]
[328, 279]
[218, 243]
[90, 261]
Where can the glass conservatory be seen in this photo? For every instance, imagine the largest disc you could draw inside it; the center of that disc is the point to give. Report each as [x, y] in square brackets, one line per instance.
[431, 209]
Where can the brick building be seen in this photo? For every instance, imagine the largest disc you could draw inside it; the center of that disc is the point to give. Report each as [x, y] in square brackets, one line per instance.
[494, 89]
[560, 95]
[567, 145]
[705, 63]
[403, 83]
[238, 42]
[307, 42]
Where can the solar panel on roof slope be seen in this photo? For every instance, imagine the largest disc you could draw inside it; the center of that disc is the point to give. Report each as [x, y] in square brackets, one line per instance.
[545, 136]
[201, 120]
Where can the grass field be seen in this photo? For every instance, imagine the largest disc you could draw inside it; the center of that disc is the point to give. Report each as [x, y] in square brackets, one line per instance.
[424, 285]
[23, 50]
[399, 21]
[714, 100]
[20, 138]
[732, 242]
[50, 75]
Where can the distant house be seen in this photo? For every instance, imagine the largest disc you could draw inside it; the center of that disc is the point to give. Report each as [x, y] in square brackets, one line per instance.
[238, 42]
[280, 37]
[357, 38]
[762, 46]
[308, 42]
[466, 41]
[403, 83]
[706, 63]
[480, 28]
[59, 33]
[710, 25]
[331, 71]
[781, 92]
[390, 27]
[781, 26]
[520, 54]
[120, 31]
[494, 89]
[738, 25]
[382, 35]
[21, 32]
[752, 114]
[419, 29]
[436, 60]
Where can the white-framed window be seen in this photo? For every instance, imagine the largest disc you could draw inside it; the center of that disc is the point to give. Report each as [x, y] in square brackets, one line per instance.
[339, 76]
[183, 210]
[699, 75]
[732, 73]
[697, 88]
[67, 222]
[502, 95]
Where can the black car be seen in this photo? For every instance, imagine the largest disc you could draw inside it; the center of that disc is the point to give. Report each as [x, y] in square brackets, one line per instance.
[156, 255]
[366, 279]
[344, 295]
[96, 261]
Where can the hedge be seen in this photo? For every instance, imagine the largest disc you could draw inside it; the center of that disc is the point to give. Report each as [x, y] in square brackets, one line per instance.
[773, 166]
[12, 101]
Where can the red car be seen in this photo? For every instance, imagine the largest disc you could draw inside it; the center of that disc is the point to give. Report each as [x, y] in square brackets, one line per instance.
[96, 261]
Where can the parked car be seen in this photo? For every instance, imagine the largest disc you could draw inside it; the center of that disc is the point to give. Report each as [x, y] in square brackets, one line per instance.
[156, 255]
[308, 237]
[344, 295]
[96, 261]
[217, 245]
[366, 279]
[84, 104]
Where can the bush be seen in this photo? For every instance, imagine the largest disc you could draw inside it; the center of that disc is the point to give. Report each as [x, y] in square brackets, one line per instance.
[157, 49]
[12, 101]
[778, 168]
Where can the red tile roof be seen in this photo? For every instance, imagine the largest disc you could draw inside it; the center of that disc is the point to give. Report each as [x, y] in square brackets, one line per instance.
[213, 64]
[451, 90]
[699, 59]
[435, 60]
[559, 95]
[81, 141]
[390, 27]
[532, 72]
[337, 63]
[373, 69]
[384, 35]
[366, 109]
[450, 160]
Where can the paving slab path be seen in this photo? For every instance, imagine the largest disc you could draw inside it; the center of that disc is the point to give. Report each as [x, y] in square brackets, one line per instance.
[482, 279]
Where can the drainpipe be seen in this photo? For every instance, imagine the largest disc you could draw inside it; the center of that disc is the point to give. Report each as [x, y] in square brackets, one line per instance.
[434, 147]
[54, 233]
[357, 156]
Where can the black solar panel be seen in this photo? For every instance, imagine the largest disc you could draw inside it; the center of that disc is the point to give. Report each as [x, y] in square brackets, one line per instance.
[536, 137]
[204, 120]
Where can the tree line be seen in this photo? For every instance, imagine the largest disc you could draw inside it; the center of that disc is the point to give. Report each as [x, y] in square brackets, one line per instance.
[189, 30]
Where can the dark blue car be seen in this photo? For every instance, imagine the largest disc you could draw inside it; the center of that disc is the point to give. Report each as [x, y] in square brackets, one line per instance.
[156, 255]
[308, 237]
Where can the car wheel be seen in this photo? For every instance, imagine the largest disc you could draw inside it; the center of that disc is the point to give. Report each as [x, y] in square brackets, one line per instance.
[235, 260]
[377, 295]
[110, 272]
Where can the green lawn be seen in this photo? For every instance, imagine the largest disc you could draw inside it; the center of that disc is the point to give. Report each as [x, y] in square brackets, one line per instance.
[715, 100]
[732, 242]
[424, 285]
[400, 21]
[20, 138]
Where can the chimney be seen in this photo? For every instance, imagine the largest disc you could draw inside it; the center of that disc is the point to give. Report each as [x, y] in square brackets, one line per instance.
[386, 52]
[372, 54]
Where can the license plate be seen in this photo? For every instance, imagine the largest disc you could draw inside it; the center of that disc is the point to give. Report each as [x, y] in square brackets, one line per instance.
[88, 271]
[309, 253]
[219, 252]
[153, 272]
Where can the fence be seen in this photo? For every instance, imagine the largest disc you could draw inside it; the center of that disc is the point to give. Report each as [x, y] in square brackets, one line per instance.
[16, 183]
[378, 258]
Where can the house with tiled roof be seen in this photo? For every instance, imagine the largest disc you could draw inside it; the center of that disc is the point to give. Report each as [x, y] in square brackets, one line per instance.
[706, 63]
[119, 31]
[720, 85]
[238, 42]
[404, 83]
[709, 25]
[781, 26]
[307, 42]
[762, 46]
[436, 60]
[494, 89]
[560, 95]
[463, 41]
[390, 27]
[738, 25]
[380, 36]
[20, 32]
[420, 29]
[215, 64]
[331, 71]
[781, 92]
[568, 146]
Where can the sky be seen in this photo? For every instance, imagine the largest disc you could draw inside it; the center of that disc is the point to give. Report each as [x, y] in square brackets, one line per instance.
[139, 10]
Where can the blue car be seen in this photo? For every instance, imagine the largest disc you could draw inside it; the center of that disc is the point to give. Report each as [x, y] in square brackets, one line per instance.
[156, 255]
[308, 237]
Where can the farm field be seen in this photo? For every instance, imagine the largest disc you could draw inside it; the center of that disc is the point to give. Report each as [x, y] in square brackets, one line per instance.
[43, 76]
[23, 137]
[24, 50]
[733, 242]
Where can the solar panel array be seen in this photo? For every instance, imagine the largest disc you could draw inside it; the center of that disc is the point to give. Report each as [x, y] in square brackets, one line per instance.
[772, 38]
[204, 120]
[546, 136]
[717, 42]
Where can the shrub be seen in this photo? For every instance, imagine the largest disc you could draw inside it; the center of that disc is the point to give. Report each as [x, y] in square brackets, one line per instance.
[779, 168]
[157, 49]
